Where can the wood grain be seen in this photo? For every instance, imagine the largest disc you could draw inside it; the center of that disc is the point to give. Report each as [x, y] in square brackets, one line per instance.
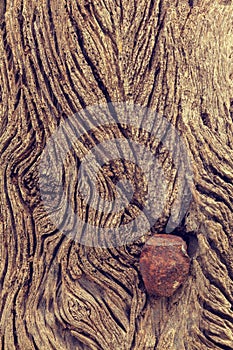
[57, 58]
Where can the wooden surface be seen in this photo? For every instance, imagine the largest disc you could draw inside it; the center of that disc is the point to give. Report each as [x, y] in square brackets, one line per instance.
[57, 58]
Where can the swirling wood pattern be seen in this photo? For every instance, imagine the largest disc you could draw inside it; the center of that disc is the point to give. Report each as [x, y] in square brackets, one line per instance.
[57, 57]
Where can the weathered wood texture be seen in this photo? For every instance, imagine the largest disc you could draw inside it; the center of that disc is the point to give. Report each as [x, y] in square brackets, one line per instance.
[58, 57]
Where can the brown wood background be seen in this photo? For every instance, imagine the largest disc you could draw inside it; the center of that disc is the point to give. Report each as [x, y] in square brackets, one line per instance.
[56, 58]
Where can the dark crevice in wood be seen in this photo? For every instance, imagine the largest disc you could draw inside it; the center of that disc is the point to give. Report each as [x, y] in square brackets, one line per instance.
[81, 100]
[15, 333]
[17, 99]
[217, 312]
[117, 282]
[44, 238]
[206, 119]
[191, 2]
[231, 108]
[4, 272]
[17, 77]
[225, 178]
[153, 54]
[192, 245]
[98, 19]
[2, 10]
[8, 142]
[56, 250]
[11, 212]
[216, 344]
[216, 283]
[151, 7]
[34, 342]
[139, 28]
[36, 80]
[52, 27]
[30, 277]
[41, 67]
[3, 342]
[21, 22]
[157, 71]
[223, 258]
[213, 195]
[94, 69]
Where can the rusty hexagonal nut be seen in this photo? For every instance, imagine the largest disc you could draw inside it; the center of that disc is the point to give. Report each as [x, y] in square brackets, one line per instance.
[164, 264]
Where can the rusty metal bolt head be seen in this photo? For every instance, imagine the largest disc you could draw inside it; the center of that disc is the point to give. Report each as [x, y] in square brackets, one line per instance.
[164, 264]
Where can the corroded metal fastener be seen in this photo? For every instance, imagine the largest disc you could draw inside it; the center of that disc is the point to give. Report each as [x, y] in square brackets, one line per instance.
[164, 264]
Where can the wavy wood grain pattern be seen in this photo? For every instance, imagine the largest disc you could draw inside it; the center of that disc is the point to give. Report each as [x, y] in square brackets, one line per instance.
[57, 58]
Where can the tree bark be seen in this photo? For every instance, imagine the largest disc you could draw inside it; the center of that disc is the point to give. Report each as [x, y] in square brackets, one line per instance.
[62, 57]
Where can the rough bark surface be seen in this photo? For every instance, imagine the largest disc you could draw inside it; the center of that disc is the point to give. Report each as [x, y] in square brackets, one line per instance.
[57, 57]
